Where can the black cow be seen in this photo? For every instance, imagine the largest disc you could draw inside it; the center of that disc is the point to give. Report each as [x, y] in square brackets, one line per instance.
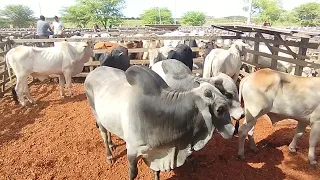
[118, 58]
[183, 53]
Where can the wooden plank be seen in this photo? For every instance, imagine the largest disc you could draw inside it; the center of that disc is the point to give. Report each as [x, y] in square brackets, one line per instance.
[302, 51]
[2, 63]
[285, 44]
[256, 48]
[136, 50]
[289, 43]
[290, 60]
[3, 44]
[132, 62]
[84, 74]
[3, 53]
[251, 64]
[265, 42]
[133, 38]
[274, 61]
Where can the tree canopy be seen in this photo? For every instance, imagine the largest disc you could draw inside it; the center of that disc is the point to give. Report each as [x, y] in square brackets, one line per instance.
[262, 10]
[151, 16]
[18, 15]
[305, 15]
[77, 14]
[104, 12]
[308, 14]
[193, 18]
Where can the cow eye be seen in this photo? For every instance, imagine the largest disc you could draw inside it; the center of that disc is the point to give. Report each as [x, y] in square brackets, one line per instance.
[229, 95]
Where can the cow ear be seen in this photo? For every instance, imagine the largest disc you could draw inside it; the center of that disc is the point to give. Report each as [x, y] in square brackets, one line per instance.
[117, 53]
[88, 43]
[237, 46]
[218, 83]
[208, 93]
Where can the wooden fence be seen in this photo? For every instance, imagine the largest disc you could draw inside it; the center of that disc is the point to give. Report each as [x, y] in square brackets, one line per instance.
[5, 86]
[4, 77]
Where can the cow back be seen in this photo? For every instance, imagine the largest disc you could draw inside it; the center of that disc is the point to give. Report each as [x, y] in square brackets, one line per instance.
[176, 69]
[145, 79]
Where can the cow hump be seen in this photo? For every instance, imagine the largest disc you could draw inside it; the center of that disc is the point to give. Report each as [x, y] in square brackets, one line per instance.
[176, 69]
[144, 78]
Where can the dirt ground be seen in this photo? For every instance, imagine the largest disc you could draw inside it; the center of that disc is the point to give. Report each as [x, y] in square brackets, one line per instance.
[58, 139]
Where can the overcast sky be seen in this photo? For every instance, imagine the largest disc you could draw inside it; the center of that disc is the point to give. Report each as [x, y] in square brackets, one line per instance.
[216, 8]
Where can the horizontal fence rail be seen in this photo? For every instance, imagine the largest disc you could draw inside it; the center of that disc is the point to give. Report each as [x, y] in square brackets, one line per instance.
[5, 46]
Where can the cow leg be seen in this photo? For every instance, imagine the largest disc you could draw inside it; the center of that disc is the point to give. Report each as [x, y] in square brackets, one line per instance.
[156, 175]
[252, 143]
[61, 84]
[19, 88]
[236, 76]
[247, 126]
[313, 140]
[27, 92]
[104, 135]
[301, 127]
[133, 160]
[67, 76]
[111, 146]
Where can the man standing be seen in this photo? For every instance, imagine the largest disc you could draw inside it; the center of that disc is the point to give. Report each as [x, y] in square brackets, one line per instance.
[58, 27]
[42, 28]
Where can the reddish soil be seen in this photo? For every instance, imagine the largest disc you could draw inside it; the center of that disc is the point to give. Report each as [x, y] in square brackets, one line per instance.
[58, 139]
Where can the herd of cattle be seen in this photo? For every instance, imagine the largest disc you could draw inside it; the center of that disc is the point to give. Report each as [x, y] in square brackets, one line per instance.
[164, 112]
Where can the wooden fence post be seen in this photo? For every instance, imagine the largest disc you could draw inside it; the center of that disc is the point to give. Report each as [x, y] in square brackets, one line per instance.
[302, 51]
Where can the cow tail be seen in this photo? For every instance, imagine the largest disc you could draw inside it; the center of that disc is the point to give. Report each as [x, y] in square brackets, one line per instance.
[13, 91]
[8, 67]
[240, 88]
[208, 67]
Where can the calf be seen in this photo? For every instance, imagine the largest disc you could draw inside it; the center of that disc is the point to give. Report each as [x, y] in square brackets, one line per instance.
[225, 61]
[276, 93]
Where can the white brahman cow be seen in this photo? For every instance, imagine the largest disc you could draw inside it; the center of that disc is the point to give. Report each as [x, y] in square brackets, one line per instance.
[160, 125]
[64, 60]
[277, 93]
[178, 76]
[225, 61]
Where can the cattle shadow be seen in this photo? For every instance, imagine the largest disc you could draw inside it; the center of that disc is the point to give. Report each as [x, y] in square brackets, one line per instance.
[47, 88]
[219, 161]
[14, 118]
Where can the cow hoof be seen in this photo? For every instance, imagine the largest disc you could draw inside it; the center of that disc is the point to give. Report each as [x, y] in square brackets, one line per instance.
[314, 164]
[112, 147]
[62, 97]
[241, 157]
[110, 160]
[292, 150]
[255, 149]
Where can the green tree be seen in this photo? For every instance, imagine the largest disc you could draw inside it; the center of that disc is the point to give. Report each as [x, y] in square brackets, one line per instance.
[193, 18]
[288, 17]
[105, 12]
[308, 14]
[18, 15]
[270, 10]
[77, 14]
[151, 16]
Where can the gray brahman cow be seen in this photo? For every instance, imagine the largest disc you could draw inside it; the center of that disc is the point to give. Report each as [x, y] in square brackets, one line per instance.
[225, 61]
[65, 59]
[178, 76]
[159, 124]
[276, 93]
